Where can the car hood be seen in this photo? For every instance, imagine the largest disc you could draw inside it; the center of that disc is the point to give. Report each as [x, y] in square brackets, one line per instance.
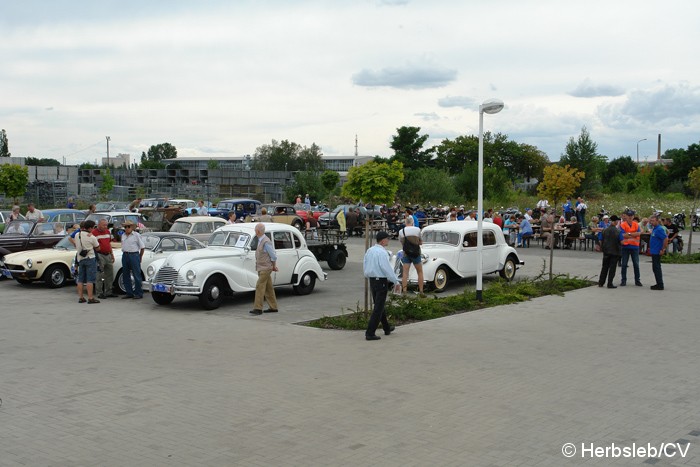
[37, 255]
[177, 260]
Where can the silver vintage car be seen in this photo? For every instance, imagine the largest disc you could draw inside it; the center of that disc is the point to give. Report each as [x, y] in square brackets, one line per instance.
[449, 252]
[227, 266]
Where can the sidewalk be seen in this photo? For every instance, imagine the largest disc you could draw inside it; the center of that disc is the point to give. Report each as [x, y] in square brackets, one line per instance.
[122, 384]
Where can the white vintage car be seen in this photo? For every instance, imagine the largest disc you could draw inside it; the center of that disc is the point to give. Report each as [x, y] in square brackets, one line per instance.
[449, 252]
[227, 266]
[51, 265]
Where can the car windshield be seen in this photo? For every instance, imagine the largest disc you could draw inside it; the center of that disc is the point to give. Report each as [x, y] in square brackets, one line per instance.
[151, 241]
[95, 216]
[437, 236]
[104, 206]
[18, 228]
[234, 239]
[224, 206]
[65, 244]
[181, 227]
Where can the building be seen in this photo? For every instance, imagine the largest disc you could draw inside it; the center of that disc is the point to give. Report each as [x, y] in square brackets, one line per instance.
[120, 161]
[340, 164]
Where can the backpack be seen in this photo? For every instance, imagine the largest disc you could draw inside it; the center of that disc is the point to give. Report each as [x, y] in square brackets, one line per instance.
[411, 249]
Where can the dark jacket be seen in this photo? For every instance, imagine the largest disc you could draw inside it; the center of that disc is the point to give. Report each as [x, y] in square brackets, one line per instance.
[611, 240]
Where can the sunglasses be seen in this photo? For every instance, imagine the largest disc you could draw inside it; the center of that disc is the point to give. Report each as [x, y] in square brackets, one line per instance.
[128, 227]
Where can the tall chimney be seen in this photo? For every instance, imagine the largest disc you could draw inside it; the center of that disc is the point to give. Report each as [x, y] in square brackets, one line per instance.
[658, 149]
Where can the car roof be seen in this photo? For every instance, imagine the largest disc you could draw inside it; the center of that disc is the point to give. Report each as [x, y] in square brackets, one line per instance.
[251, 226]
[197, 219]
[240, 200]
[460, 226]
[61, 211]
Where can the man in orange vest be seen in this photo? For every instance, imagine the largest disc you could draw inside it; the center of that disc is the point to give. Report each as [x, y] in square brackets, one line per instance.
[630, 247]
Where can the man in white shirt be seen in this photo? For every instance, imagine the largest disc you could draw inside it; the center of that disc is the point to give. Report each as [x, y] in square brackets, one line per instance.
[201, 209]
[33, 214]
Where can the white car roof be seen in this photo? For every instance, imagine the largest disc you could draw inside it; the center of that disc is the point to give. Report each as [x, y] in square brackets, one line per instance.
[460, 226]
[250, 226]
[197, 219]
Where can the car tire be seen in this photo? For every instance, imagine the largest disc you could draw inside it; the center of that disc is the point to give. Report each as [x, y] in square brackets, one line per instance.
[162, 298]
[298, 224]
[119, 281]
[442, 277]
[55, 276]
[306, 284]
[212, 294]
[337, 260]
[508, 271]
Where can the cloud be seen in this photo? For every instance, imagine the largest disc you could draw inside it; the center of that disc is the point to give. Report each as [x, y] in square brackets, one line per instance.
[427, 115]
[588, 89]
[457, 101]
[393, 2]
[406, 77]
[661, 105]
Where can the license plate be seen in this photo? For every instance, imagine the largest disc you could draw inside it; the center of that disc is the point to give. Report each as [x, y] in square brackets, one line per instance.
[161, 288]
[7, 273]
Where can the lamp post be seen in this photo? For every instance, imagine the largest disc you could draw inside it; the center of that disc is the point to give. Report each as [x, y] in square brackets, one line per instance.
[638, 149]
[108, 138]
[491, 106]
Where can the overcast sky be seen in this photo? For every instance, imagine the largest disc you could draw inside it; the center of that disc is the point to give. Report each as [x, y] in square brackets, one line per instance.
[224, 77]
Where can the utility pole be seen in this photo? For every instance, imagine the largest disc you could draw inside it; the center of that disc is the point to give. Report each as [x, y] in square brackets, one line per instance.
[354, 163]
[108, 138]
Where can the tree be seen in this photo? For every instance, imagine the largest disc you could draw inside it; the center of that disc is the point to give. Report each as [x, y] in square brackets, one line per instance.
[454, 156]
[694, 187]
[330, 180]
[582, 154]
[156, 155]
[305, 182]
[107, 183]
[530, 162]
[41, 162]
[622, 166]
[558, 184]
[287, 156]
[4, 145]
[408, 148]
[13, 180]
[428, 185]
[684, 160]
[373, 182]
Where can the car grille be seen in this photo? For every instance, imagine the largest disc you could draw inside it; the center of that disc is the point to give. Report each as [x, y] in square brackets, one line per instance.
[15, 267]
[166, 275]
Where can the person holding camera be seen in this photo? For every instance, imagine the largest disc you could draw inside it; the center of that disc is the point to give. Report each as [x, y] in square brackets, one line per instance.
[86, 245]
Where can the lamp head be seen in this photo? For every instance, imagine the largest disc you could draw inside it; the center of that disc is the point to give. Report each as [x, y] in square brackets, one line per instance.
[491, 106]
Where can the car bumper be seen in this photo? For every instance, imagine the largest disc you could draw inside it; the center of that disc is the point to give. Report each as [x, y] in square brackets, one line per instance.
[172, 289]
[18, 273]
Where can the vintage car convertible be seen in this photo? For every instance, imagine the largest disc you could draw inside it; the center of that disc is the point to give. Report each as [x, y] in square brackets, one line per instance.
[449, 252]
[227, 266]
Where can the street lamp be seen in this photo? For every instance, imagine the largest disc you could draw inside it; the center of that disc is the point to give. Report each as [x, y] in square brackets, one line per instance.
[491, 106]
[108, 138]
[638, 149]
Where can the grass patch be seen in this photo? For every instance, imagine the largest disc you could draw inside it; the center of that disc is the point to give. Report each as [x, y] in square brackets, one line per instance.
[681, 258]
[409, 309]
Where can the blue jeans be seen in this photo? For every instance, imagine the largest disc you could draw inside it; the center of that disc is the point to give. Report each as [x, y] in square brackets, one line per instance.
[131, 264]
[626, 254]
[656, 268]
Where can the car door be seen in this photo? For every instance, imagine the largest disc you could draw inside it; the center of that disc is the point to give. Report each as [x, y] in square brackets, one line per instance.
[287, 257]
[490, 252]
[467, 255]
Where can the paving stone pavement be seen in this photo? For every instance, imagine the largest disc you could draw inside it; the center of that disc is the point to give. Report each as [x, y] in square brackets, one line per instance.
[130, 383]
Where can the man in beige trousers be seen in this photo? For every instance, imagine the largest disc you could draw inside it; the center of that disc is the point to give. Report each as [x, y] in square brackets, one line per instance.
[265, 265]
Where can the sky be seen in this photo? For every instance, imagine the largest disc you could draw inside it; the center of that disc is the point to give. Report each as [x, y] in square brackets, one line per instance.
[221, 78]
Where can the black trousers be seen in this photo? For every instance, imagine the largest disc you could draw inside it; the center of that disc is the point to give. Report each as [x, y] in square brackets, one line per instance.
[379, 288]
[608, 269]
[656, 269]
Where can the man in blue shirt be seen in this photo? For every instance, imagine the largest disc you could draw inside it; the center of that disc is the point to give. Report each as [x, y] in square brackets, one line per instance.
[658, 241]
[378, 270]
[525, 230]
[568, 209]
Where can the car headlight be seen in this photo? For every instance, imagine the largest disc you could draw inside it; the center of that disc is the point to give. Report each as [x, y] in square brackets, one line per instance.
[150, 271]
[191, 275]
[30, 263]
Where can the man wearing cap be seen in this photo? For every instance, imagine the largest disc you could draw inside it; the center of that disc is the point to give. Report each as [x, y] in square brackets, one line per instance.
[658, 242]
[378, 270]
[612, 237]
[630, 247]
[132, 252]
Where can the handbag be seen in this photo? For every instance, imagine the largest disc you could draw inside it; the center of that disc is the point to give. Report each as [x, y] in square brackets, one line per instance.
[411, 249]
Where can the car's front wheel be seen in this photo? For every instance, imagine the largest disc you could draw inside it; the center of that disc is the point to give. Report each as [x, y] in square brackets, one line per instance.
[212, 294]
[162, 298]
[298, 224]
[55, 276]
[442, 277]
[508, 271]
[306, 284]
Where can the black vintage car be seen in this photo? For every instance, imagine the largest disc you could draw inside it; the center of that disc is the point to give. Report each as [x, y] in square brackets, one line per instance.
[30, 235]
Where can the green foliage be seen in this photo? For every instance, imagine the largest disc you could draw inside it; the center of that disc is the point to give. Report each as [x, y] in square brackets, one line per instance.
[107, 183]
[213, 165]
[305, 182]
[679, 258]
[621, 167]
[373, 182]
[288, 156]
[41, 162]
[559, 183]
[428, 185]
[13, 180]
[408, 148]
[582, 154]
[694, 181]
[156, 155]
[4, 144]
[87, 165]
[330, 180]
[408, 309]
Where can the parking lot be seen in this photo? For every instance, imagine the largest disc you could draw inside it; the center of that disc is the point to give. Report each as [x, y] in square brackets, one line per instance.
[132, 383]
